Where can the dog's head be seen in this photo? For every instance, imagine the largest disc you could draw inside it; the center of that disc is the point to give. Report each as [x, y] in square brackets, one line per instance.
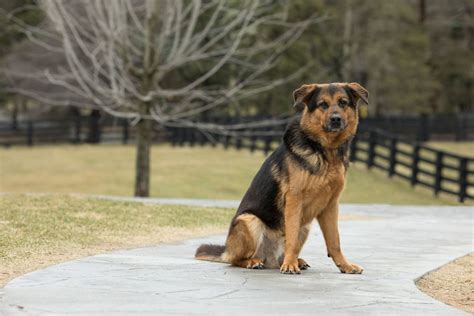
[329, 111]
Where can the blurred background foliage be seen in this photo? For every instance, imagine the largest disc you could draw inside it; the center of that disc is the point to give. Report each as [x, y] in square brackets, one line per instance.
[414, 56]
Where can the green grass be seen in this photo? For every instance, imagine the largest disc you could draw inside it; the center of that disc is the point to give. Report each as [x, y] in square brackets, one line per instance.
[36, 231]
[200, 172]
[180, 172]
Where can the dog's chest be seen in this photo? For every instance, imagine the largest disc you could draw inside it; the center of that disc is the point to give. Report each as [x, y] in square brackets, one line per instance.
[319, 190]
[329, 182]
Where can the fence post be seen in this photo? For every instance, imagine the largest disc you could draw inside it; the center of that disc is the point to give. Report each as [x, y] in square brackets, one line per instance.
[226, 141]
[438, 172]
[238, 142]
[393, 157]
[268, 145]
[124, 132]
[414, 165]
[461, 127]
[462, 179]
[371, 149]
[214, 140]
[192, 134]
[29, 133]
[174, 135]
[202, 138]
[94, 127]
[214, 137]
[182, 136]
[253, 143]
[353, 153]
[424, 133]
[77, 128]
[197, 136]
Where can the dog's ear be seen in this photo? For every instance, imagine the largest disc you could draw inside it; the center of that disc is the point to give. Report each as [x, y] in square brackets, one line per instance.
[359, 92]
[302, 95]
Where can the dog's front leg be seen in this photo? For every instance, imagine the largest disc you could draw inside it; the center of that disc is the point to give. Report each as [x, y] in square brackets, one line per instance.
[328, 223]
[293, 212]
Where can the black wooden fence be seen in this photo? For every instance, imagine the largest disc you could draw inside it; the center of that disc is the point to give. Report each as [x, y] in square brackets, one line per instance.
[74, 130]
[421, 165]
[97, 128]
[423, 128]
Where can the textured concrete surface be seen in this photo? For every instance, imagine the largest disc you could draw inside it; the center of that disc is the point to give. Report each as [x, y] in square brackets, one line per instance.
[394, 244]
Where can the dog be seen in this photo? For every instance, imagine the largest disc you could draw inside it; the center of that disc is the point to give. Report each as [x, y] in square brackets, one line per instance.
[300, 181]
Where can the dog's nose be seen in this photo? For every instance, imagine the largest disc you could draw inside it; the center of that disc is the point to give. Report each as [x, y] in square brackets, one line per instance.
[335, 119]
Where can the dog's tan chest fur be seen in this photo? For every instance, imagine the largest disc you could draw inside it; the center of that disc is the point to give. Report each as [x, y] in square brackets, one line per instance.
[317, 191]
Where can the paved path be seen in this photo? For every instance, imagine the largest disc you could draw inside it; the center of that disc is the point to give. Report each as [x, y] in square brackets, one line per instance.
[395, 245]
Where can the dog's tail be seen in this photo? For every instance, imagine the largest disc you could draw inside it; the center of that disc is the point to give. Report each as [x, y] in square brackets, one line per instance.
[209, 252]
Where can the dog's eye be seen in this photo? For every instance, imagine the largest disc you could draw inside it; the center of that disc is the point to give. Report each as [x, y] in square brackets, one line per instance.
[323, 105]
[343, 102]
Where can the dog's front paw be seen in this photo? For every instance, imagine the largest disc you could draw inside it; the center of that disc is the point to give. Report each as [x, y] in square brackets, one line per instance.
[350, 268]
[290, 267]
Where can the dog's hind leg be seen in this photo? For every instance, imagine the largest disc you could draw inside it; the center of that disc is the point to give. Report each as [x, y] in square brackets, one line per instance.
[243, 242]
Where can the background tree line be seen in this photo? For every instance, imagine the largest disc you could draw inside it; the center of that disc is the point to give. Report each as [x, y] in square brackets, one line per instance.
[414, 56]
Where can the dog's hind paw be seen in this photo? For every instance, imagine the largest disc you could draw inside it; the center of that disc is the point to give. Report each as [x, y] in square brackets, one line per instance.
[255, 264]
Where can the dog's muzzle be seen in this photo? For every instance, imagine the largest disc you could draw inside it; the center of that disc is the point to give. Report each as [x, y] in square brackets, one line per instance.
[335, 123]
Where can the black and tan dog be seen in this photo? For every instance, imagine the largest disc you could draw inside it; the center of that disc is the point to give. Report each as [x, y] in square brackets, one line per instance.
[299, 182]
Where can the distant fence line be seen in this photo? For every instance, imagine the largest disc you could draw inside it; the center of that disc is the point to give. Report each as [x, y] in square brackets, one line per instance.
[424, 128]
[421, 165]
[97, 128]
[399, 155]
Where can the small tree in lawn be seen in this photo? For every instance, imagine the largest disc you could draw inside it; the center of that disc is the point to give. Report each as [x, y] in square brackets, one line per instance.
[166, 61]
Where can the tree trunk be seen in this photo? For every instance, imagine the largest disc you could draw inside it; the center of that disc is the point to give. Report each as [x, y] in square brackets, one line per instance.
[142, 166]
[14, 123]
[347, 43]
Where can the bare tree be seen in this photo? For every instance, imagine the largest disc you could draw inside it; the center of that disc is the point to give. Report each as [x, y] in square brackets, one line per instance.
[158, 60]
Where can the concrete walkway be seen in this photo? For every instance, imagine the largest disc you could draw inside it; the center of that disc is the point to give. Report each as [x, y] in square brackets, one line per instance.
[394, 244]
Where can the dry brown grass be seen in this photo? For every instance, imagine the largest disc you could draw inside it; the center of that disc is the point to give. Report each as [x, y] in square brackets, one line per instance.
[452, 284]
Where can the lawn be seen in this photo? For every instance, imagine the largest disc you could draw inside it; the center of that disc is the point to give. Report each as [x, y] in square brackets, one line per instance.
[39, 230]
[199, 172]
